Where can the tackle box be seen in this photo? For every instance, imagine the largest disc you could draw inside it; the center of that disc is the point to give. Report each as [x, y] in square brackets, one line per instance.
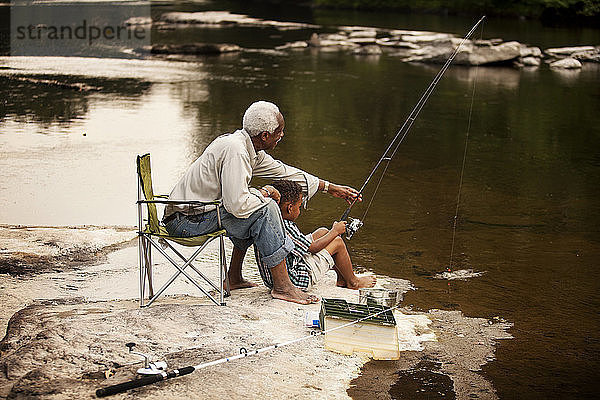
[375, 336]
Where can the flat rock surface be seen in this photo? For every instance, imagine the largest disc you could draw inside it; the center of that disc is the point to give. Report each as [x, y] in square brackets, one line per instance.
[67, 333]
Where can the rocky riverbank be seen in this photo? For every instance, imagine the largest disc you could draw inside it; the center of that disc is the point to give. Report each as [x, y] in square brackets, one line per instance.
[68, 328]
[408, 45]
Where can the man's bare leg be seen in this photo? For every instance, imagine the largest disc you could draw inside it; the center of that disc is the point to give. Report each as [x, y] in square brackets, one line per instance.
[283, 289]
[343, 266]
[236, 281]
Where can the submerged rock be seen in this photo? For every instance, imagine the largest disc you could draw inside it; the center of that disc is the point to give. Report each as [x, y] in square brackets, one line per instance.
[368, 51]
[194, 48]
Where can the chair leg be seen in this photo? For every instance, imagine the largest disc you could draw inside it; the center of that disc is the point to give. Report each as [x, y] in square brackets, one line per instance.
[149, 270]
[192, 265]
[181, 270]
[224, 277]
[141, 259]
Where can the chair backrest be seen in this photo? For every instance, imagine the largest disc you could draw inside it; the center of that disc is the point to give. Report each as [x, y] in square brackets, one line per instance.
[145, 181]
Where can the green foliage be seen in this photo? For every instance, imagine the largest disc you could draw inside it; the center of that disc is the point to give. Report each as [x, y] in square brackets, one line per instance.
[534, 8]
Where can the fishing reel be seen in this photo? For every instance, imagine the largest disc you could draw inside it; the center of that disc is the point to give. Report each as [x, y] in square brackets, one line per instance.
[150, 368]
[352, 226]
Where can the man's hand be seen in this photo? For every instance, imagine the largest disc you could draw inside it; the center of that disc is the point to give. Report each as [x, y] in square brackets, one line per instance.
[339, 227]
[344, 192]
[270, 191]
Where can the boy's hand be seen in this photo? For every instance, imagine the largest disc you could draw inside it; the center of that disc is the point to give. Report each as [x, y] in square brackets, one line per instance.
[271, 192]
[339, 227]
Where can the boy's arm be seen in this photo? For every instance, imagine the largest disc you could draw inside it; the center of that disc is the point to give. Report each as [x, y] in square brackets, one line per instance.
[337, 229]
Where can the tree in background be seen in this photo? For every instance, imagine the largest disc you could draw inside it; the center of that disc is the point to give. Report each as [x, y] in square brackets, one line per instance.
[546, 9]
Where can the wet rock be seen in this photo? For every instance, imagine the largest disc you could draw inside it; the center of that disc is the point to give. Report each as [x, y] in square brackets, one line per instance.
[293, 45]
[589, 56]
[194, 48]
[426, 38]
[138, 21]
[363, 40]
[78, 86]
[487, 42]
[225, 18]
[500, 53]
[566, 63]
[362, 34]
[79, 346]
[530, 61]
[400, 32]
[561, 52]
[335, 36]
[396, 43]
[469, 54]
[527, 51]
[32, 250]
[329, 41]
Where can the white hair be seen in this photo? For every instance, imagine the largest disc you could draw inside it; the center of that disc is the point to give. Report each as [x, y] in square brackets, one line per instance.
[260, 117]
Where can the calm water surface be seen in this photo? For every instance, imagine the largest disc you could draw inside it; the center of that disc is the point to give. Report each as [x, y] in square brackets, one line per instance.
[529, 213]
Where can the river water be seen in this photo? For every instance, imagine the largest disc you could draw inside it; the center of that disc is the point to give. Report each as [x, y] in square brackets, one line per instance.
[529, 213]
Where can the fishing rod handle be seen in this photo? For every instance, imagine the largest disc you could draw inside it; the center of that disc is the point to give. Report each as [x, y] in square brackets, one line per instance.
[144, 381]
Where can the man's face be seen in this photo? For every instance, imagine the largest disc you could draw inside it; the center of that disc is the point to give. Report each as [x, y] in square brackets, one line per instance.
[272, 139]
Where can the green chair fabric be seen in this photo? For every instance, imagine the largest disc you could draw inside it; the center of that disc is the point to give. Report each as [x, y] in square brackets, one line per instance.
[153, 227]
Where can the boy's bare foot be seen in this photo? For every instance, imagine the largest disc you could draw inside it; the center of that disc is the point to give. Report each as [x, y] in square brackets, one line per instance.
[341, 282]
[362, 282]
[294, 295]
[240, 284]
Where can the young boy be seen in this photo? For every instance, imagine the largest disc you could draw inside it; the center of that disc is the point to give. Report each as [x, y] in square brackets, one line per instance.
[314, 254]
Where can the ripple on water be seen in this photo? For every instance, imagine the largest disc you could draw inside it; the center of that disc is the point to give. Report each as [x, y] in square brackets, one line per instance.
[459, 274]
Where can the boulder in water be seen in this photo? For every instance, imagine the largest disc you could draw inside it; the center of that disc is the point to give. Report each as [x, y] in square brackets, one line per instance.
[566, 63]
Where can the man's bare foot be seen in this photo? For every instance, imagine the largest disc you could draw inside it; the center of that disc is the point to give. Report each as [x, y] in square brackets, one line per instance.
[294, 295]
[341, 282]
[240, 284]
[362, 282]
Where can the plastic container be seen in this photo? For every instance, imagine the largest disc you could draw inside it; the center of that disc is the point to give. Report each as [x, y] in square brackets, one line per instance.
[311, 319]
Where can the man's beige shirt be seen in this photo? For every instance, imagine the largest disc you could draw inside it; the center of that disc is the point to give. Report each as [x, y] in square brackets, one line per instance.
[223, 172]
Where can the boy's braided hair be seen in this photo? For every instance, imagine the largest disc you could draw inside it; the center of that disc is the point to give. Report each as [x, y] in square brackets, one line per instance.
[290, 191]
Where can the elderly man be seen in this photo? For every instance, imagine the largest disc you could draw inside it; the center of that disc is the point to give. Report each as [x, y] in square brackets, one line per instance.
[223, 172]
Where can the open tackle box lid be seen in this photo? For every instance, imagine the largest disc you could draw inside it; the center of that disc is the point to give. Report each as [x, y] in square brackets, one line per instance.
[339, 308]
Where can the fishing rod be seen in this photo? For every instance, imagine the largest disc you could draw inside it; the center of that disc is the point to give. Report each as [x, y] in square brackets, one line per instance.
[354, 223]
[163, 375]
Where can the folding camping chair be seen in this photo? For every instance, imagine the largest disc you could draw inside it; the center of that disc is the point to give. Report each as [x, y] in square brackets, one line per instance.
[153, 234]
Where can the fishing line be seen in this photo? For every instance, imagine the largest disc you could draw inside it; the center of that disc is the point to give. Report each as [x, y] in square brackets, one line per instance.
[405, 128]
[148, 380]
[464, 159]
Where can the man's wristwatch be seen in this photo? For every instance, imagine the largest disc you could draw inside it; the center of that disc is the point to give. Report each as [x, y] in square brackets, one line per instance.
[326, 187]
[266, 190]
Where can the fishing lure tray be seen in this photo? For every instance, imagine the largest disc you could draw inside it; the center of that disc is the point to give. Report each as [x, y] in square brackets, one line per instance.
[375, 336]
